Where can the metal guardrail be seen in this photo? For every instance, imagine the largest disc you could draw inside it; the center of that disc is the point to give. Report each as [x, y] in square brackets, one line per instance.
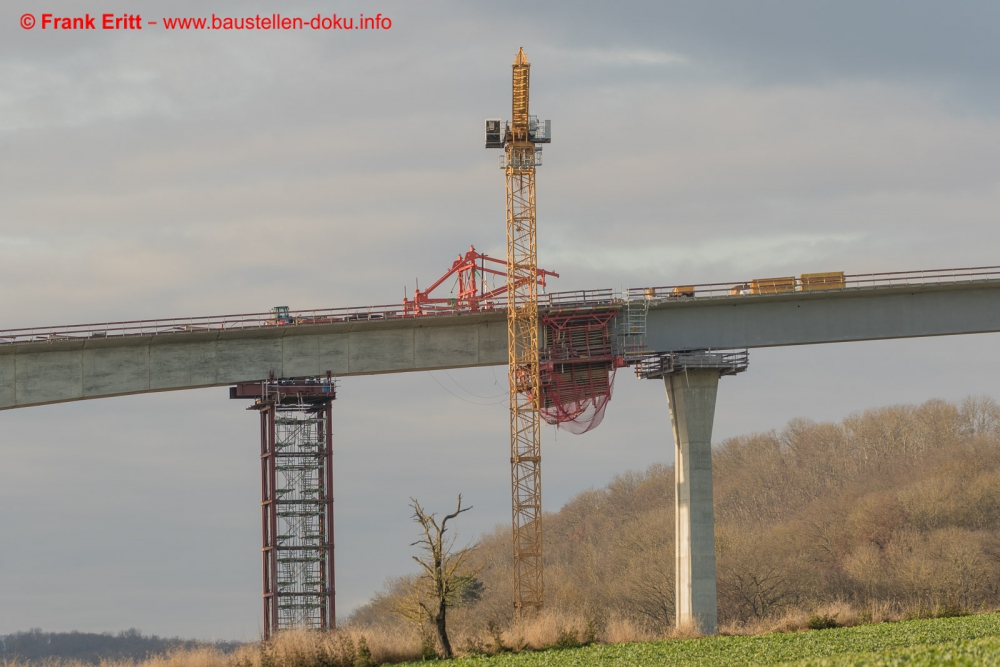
[850, 281]
[578, 299]
[197, 324]
[240, 321]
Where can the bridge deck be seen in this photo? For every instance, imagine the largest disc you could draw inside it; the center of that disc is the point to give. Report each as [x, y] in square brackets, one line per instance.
[50, 365]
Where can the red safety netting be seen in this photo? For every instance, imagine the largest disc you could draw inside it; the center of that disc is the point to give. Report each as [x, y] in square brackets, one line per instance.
[577, 395]
[577, 370]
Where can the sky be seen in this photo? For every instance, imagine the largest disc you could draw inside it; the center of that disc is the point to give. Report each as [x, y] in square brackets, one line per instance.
[160, 173]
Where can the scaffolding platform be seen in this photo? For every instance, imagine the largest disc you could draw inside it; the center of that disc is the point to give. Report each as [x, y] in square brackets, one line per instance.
[662, 364]
[296, 457]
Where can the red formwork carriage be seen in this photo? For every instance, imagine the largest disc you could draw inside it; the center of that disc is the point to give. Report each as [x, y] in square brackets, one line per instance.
[469, 293]
[578, 359]
[577, 355]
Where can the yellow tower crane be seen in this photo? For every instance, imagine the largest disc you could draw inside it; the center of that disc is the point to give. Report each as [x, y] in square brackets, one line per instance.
[519, 138]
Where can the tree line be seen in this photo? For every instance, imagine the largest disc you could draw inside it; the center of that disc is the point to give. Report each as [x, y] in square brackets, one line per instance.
[35, 645]
[894, 507]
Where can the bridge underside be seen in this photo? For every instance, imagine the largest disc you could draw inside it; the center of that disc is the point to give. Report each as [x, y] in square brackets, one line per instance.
[38, 373]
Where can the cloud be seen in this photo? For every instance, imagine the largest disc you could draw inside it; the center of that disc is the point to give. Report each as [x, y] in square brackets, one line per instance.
[621, 57]
[738, 252]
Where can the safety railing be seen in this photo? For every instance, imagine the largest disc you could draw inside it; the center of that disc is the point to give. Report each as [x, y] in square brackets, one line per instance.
[555, 301]
[578, 299]
[809, 283]
[193, 325]
[727, 362]
[98, 330]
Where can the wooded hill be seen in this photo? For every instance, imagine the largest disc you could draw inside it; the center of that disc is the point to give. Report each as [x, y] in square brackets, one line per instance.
[894, 508]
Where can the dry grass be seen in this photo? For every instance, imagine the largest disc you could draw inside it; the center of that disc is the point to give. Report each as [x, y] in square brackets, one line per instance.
[548, 629]
[204, 657]
[290, 649]
[305, 649]
[843, 613]
[622, 630]
[877, 612]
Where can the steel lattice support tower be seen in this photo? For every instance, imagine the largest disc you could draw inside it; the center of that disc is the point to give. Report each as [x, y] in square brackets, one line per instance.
[521, 156]
[296, 462]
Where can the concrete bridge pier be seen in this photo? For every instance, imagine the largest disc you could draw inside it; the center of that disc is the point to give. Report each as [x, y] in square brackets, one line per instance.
[692, 383]
[691, 396]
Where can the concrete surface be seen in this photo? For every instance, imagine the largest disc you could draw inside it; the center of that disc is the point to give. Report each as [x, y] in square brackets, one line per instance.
[52, 372]
[804, 318]
[66, 370]
[691, 396]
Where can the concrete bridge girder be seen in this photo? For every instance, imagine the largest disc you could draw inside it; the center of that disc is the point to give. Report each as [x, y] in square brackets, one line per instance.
[835, 316]
[68, 370]
[37, 373]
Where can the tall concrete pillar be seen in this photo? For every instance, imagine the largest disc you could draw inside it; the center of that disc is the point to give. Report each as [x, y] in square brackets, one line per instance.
[691, 395]
[692, 379]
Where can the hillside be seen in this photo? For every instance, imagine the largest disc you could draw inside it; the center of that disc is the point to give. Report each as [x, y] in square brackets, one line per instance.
[892, 511]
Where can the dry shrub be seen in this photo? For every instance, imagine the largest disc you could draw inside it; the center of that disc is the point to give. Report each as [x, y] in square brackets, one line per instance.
[840, 611]
[793, 620]
[294, 649]
[546, 629]
[389, 645]
[876, 611]
[685, 631]
[621, 629]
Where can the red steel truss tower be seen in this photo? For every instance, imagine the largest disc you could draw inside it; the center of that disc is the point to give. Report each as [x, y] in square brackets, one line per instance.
[296, 466]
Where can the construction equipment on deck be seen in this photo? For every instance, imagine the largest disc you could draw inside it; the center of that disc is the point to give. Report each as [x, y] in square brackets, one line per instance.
[772, 285]
[470, 273]
[810, 282]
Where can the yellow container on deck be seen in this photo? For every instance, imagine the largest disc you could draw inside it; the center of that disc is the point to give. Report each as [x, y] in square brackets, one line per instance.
[819, 281]
[684, 290]
[772, 285]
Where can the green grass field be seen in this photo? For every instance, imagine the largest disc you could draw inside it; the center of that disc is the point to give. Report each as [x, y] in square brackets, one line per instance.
[969, 640]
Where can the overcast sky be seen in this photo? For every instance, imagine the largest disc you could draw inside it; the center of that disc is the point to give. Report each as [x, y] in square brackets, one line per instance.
[161, 173]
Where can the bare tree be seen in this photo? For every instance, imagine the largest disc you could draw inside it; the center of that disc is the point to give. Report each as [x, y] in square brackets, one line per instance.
[446, 574]
[978, 415]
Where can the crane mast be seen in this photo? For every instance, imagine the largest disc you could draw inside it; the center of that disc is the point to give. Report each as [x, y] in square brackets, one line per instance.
[518, 138]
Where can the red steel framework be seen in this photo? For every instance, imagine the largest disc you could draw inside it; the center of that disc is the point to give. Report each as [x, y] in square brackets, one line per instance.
[578, 360]
[296, 465]
[470, 273]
